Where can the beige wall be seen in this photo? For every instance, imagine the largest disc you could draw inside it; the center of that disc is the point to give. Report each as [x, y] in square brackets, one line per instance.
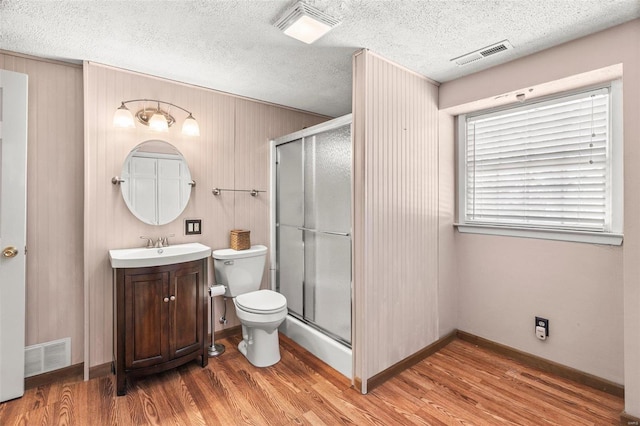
[396, 214]
[54, 290]
[231, 152]
[582, 288]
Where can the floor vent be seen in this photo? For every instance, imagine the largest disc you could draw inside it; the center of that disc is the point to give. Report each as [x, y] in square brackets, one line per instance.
[502, 46]
[46, 357]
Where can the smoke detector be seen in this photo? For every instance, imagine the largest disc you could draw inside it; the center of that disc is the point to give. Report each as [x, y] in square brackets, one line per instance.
[479, 54]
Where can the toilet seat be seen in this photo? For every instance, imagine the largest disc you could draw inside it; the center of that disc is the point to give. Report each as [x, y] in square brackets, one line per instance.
[261, 302]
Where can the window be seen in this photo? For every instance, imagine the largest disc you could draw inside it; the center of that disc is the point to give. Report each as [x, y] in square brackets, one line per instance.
[548, 169]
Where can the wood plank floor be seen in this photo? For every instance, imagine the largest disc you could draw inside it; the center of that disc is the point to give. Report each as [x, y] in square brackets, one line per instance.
[461, 384]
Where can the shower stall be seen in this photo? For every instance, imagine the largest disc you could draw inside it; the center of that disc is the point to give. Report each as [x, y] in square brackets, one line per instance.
[311, 233]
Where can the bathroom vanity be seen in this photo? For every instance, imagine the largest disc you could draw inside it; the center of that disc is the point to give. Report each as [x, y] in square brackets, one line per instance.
[160, 292]
[160, 316]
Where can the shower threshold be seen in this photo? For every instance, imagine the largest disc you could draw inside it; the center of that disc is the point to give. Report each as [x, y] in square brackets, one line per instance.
[337, 355]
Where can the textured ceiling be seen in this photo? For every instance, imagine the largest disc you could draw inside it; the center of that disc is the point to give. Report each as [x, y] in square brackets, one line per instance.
[233, 46]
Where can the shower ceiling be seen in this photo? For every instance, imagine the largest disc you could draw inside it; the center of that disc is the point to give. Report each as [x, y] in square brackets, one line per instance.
[233, 46]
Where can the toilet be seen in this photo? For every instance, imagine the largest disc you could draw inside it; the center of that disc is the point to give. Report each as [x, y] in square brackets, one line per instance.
[260, 311]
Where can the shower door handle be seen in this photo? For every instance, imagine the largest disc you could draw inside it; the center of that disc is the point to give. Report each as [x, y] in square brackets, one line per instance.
[341, 234]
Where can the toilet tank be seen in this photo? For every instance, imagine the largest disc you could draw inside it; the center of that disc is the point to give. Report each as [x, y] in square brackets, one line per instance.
[240, 271]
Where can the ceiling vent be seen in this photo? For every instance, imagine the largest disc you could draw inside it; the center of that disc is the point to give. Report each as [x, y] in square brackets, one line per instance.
[502, 46]
[305, 23]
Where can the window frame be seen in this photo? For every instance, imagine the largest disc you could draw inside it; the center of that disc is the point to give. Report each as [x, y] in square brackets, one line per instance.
[613, 236]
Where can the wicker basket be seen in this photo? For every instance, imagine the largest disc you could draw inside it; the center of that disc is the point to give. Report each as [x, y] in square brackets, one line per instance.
[240, 239]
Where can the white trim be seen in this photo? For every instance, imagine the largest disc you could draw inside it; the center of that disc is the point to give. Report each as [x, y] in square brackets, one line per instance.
[617, 157]
[543, 234]
[461, 153]
[540, 102]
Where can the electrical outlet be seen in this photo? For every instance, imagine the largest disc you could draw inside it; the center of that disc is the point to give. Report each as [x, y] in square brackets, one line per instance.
[542, 328]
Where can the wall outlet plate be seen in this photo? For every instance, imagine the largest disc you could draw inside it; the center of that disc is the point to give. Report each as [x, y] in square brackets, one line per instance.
[542, 323]
[192, 226]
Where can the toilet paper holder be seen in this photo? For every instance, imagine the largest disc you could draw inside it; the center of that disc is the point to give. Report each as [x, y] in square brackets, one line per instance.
[216, 349]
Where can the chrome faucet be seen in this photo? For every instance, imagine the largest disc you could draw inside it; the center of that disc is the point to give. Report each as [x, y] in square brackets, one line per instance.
[149, 241]
[160, 242]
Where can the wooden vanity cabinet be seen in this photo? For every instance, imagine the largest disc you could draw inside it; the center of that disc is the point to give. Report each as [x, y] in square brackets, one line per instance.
[160, 318]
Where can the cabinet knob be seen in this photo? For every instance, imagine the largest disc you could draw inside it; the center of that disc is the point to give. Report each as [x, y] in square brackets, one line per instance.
[172, 298]
[165, 300]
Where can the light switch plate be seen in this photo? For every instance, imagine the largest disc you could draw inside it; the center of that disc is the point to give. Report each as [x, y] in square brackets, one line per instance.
[192, 226]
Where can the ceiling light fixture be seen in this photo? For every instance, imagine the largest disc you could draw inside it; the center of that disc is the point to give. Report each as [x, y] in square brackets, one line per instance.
[305, 23]
[155, 117]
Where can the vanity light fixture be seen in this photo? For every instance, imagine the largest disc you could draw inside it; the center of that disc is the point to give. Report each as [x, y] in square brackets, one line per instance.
[155, 117]
[305, 23]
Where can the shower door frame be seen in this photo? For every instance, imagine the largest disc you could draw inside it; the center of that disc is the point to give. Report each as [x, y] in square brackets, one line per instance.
[305, 133]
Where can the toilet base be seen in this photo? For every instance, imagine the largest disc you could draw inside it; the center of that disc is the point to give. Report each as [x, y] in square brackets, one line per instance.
[260, 347]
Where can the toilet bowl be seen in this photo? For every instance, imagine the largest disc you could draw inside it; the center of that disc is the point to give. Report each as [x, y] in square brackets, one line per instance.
[260, 311]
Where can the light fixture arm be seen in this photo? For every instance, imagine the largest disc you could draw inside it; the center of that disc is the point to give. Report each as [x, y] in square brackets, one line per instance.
[156, 101]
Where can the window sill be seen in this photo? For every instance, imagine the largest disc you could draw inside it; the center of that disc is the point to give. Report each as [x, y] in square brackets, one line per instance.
[543, 234]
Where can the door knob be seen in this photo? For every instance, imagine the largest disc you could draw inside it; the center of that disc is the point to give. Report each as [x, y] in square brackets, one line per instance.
[9, 252]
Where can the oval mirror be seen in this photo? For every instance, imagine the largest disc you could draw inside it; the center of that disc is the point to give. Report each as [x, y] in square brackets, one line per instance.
[156, 182]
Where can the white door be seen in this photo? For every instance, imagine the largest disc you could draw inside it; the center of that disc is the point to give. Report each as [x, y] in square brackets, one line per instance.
[13, 165]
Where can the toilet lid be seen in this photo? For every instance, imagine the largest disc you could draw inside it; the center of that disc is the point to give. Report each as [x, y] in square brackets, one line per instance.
[261, 301]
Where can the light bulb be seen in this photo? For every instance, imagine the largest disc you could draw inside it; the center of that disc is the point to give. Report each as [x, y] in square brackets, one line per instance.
[158, 122]
[190, 126]
[123, 117]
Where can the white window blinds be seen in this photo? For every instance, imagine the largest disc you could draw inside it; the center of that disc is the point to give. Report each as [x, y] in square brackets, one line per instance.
[542, 165]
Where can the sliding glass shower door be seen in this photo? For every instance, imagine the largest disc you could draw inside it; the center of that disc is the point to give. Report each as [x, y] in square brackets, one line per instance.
[313, 230]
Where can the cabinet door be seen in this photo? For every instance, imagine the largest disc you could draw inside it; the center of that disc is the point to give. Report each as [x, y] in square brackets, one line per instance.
[146, 319]
[185, 309]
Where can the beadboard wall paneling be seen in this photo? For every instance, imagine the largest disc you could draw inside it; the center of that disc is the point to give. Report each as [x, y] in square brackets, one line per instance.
[54, 288]
[231, 153]
[396, 223]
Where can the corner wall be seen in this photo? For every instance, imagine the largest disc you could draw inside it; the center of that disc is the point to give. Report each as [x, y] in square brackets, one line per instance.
[231, 152]
[582, 288]
[396, 210]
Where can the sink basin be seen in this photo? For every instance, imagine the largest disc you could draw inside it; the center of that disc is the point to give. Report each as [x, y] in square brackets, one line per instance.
[142, 256]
